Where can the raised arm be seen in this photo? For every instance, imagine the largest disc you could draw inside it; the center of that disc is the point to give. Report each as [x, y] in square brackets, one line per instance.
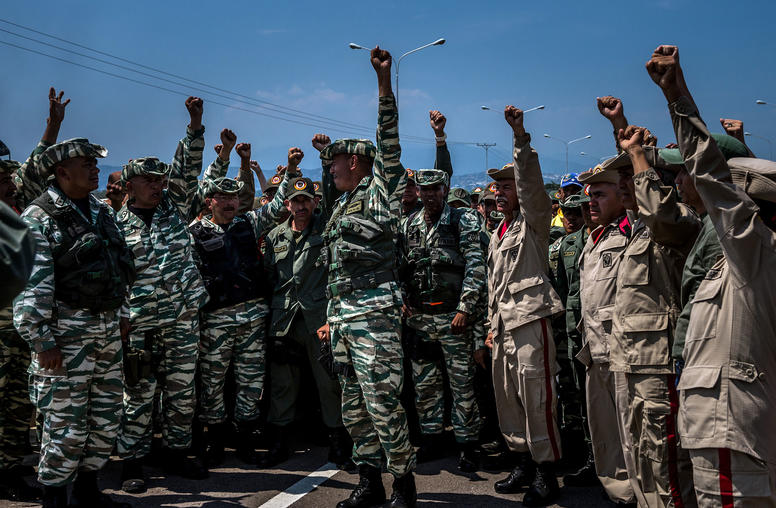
[611, 108]
[330, 192]
[475, 279]
[217, 169]
[187, 163]
[265, 217]
[442, 161]
[535, 204]
[245, 175]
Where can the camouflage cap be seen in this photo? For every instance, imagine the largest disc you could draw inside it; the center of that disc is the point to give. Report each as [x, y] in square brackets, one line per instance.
[430, 177]
[144, 166]
[554, 194]
[318, 188]
[507, 172]
[363, 147]
[575, 200]
[8, 166]
[301, 187]
[599, 175]
[69, 149]
[274, 182]
[460, 195]
[224, 186]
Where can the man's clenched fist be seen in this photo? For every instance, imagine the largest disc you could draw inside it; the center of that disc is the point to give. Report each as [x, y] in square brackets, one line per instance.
[321, 141]
[610, 107]
[663, 67]
[295, 156]
[243, 150]
[514, 118]
[437, 121]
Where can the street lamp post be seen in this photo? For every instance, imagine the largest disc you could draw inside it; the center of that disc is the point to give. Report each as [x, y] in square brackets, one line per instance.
[567, 143]
[486, 108]
[437, 42]
[765, 103]
[770, 142]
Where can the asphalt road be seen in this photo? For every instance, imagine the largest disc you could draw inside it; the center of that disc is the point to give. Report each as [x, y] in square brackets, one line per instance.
[235, 484]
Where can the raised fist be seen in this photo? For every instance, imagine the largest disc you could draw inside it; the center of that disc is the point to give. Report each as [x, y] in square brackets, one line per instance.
[194, 105]
[321, 141]
[243, 150]
[632, 138]
[56, 106]
[218, 148]
[280, 169]
[295, 156]
[514, 118]
[649, 138]
[228, 138]
[733, 128]
[381, 60]
[437, 121]
[610, 107]
[254, 165]
[663, 67]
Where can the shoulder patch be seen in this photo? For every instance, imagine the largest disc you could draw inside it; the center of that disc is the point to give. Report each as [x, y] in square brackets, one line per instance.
[354, 207]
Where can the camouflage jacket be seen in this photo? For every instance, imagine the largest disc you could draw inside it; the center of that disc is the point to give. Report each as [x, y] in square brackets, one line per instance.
[37, 315]
[31, 179]
[383, 206]
[168, 282]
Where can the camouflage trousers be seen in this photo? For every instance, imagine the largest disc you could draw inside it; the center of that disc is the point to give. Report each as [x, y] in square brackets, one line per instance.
[286, 379]
[80, 403]
[233, 335]
[371, 410]
[176, 346]
[427, 374]
[15, 406]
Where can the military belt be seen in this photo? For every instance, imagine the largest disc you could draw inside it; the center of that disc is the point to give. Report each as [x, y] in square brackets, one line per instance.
[370, 280]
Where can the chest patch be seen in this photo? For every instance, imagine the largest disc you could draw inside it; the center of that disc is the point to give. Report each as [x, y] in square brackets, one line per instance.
[569, 253]
[281, 248]
[354, 207]
[607, 259]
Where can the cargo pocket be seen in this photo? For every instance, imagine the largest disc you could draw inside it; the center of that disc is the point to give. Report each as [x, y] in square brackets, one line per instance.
[750, 475]
[699, 391]
[649, 333]
[654, 433]
[635, 269]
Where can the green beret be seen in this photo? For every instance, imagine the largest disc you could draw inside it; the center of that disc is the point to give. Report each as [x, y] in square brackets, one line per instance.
[8, 166]
[144, 166]
[301, 186]
[70, 149]
[459, 194]
[575, 200]
[350, 146]
[224, 186]
[430, 177]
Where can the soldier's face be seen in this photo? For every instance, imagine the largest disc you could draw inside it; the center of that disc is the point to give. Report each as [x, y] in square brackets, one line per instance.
[433, 197]
[80, 175]
[146, 190]
[410, 196]
[506, 196]
[627, 188]
[342, 168]
[572, 219]
[687, 191]
[115, 189]
[7, 189]
[301, 207]
[224, 207]
[605, 203]
[486, 206]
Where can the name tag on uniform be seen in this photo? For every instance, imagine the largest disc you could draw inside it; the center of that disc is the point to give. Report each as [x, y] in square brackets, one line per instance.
[355, 207]
[281, 248]
[569, 253]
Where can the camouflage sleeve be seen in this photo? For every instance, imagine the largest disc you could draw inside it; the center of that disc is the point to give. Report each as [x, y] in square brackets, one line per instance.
[17, 254]
[535, 204]
[264, 218]
[31, 179]
[443, 161]
[475, 275]
[390, 178]
[330, 192]
[185, 169]
[33, 308]
[248, 191]
[217, 169]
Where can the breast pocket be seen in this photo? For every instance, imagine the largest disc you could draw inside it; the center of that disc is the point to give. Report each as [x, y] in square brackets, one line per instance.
[702, 325]
[635, 263]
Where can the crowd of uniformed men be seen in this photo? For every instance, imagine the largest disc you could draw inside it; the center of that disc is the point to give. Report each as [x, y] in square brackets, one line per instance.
[626, 319]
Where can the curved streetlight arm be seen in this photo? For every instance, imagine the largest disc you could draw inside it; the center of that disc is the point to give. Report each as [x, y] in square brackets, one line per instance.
[580, 139]
[437, 42]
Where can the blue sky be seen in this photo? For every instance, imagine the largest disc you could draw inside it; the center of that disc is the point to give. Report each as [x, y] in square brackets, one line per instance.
[295, 54]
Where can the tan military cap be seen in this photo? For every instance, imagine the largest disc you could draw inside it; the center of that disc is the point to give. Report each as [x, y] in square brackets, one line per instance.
[507, 172]
[756, 176]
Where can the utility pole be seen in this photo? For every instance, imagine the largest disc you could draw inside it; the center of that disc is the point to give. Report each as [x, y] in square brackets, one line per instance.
[486, 146]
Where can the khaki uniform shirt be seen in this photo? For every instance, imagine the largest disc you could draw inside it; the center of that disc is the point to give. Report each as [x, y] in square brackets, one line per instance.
[519, 290]
[647, 303]
[727, 397]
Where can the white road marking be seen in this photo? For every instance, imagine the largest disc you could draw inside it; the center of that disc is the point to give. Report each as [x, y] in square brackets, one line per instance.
[303, 487]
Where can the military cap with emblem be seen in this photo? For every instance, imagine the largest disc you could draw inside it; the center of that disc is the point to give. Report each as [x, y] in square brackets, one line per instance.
[349, 146]
[301, 186]
[8, 166]
[318, 188]
[460, 195]
[223, 186]
[274, 182]
[507, 172]
[554, 195]
[599, 175]
[489, 193]
[569, 179]
[477, 191]
[411, 175]
[69, 149]
[430, 177]
[144, 166]
[575, 201]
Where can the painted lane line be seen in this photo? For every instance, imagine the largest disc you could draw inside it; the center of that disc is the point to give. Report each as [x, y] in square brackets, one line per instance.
[303, 487]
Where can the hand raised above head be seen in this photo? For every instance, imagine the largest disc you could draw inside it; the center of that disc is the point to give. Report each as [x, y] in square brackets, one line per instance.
[321, 141]
[514, 118]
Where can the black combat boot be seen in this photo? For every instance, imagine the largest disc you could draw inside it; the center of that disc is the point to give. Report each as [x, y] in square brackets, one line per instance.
[278, 451]
[54, 497]
[368, 492]
[431, 448]
[179, 463]
[544, 489]
[132, 480]
[245, 448]
[341, 449]
[14, 488]
[467, 457]
[404, 494]
[86, 493]
[521, 476]
[585, 476]
[215, 443]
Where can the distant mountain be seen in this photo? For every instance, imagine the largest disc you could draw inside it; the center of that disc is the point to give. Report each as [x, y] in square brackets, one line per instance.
[471, 180]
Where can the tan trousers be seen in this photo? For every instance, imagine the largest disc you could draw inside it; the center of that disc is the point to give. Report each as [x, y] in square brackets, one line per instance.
[727, 478]
[602, 420]
[659, 470]
[524, 369]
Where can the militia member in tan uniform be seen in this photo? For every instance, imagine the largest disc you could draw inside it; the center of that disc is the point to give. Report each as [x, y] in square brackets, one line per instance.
[728, 404]
[521, 301]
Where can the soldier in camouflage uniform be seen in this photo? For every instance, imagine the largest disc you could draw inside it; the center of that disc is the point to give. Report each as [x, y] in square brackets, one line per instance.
[364, 314]
[15, 406]
[69, 316]
[233, 320]
[443, 277]
[164, 304]
[458, 197]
